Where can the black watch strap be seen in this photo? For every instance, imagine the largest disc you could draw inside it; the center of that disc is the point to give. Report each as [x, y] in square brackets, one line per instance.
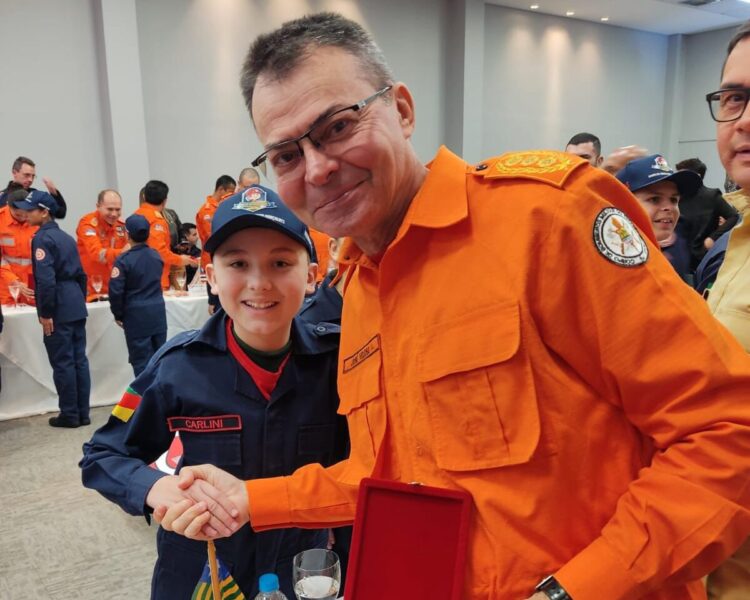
[550, 586]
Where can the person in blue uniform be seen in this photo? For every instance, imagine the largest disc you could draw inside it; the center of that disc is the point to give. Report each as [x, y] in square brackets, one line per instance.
[135, 295]
[253, 391]
[60, 284]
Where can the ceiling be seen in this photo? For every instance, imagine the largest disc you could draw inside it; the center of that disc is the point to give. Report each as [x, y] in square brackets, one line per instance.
[657, 16]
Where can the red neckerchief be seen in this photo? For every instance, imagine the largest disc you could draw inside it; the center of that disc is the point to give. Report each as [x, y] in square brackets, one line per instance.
[265, 380]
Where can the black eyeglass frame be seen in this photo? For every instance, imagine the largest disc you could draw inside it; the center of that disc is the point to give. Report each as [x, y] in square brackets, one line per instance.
[356, 107]
[710, 95]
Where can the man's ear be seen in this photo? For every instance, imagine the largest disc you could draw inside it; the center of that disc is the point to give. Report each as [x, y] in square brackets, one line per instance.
[405, 106]
[312, 274]
[599, 160]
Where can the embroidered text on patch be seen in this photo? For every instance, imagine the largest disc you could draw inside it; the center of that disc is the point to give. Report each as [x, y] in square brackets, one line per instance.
[365, 352]
[618, 240]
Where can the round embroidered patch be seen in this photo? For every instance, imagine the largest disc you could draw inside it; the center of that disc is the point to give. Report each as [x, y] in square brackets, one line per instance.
[40, 254]
[115, 272]
[618, 240]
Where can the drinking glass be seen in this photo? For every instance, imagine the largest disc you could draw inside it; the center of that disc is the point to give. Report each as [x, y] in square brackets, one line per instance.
[96, 283]
[15, 288]
[180, 278]
[316, 575]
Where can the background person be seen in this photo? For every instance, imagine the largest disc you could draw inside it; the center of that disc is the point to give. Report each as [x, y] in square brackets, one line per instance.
[15, 240]
[23, 172]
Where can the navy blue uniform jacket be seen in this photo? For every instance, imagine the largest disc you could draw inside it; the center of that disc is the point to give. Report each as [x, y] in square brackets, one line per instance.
[195, 386]
[58, 275]
[324, 305]
[135, 294]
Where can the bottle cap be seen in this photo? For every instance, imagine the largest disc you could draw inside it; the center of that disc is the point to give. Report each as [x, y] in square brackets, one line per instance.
[268, 582]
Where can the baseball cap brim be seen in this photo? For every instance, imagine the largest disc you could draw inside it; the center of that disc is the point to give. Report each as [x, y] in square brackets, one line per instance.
[249, 221]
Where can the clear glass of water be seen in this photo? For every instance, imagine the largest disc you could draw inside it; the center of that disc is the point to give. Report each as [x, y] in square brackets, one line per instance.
[316, 575]
[96, 283]
[15, 288]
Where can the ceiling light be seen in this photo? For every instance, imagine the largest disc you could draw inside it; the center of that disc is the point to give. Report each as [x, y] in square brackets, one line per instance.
[570, 13]
[605, 19]
[536, 6]
[748, 1]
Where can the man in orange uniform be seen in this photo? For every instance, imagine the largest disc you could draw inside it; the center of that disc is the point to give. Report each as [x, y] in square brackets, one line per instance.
[155, 199]
[15, 241]
[509, 329]
[224, 188]
[101, 239]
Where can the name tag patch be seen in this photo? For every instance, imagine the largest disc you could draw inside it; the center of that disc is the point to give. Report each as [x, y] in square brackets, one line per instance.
[362, 354]
[205, 424]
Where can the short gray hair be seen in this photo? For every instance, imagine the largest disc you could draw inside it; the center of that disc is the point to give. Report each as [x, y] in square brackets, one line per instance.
[278, 53]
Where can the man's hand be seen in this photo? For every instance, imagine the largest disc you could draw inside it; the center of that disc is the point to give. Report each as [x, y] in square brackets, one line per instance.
[51, 187]
[188, 260]
[708, 243]
[120, 324]
[26, 290]
[223, 500]
[47, 325]
[622, 156]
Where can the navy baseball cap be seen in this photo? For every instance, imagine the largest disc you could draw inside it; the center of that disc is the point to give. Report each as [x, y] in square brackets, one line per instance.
[643, 172]
[38, 199]
[137, 227]
[257, 206]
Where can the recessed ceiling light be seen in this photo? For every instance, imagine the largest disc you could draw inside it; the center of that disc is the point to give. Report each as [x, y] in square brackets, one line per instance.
[536, 6]
[605, 19]
[570, 13]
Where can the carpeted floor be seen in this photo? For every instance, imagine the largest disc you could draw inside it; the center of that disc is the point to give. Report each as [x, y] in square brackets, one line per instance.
[59, 540]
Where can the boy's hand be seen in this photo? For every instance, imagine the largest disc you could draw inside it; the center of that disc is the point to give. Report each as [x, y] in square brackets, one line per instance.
[165, 492]
[224, 499]
[48, 326]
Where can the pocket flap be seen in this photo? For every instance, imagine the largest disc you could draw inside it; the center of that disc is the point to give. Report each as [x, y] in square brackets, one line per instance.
[479, 338]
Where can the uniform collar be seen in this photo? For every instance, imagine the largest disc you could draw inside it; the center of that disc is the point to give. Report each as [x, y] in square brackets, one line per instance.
[441, 201]
[150, 208]
[307, 338]
[49, 225]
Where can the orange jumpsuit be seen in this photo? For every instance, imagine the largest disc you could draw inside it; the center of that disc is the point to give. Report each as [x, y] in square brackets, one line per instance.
[159, 240]
[203, 225]
[99, 243]
[596, 412]
[15, 240]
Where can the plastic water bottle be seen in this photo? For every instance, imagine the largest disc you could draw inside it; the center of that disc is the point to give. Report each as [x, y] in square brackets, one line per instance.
[269, 588]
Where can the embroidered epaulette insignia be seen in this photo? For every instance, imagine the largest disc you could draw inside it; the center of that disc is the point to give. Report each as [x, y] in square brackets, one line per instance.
[547, 166]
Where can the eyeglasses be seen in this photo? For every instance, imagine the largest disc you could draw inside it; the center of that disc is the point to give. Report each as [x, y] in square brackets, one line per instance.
[728, 105]
[329, 133]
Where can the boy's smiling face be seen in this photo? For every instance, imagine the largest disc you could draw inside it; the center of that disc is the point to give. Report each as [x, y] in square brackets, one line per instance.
[261, 277]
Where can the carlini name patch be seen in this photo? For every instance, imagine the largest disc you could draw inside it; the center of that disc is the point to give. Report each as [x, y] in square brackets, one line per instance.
[205, 424]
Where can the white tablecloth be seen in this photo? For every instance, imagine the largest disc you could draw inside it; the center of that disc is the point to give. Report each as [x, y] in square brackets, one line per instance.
[27, 386]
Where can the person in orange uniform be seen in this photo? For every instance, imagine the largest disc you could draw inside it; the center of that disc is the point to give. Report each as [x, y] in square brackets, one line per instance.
[155, 198]
[101, 239]
[225, 186]
[15, 241]
[582, 394]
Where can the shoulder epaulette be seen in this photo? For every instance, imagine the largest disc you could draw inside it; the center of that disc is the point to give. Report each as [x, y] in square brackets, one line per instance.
[547, 166]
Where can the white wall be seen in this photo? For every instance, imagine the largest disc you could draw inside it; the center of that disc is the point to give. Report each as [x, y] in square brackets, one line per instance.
[51, 102]
[191, 54]
[547, 78]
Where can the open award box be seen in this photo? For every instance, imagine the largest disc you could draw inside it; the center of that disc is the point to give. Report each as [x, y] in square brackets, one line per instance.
[409, 542]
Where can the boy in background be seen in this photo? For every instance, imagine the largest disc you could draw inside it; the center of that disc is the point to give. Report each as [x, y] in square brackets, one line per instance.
[260, 398]
[135, 295]
[60, 285]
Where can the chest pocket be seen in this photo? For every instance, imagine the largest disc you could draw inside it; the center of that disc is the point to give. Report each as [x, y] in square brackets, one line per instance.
[364, 407]
[219, 448]
[479, 389]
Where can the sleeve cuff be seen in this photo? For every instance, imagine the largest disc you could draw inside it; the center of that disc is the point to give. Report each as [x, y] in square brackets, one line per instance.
[597, 572]
[140, 483]
[268, 503]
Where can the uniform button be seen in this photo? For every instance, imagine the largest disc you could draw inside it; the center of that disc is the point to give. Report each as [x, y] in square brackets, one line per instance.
[308, 300]
[481, 167]
[320, 329]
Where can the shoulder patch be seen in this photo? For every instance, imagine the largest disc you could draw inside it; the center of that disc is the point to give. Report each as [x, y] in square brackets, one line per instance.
[89, 232]
[207, 217]
[158, 227]
[115, 273]
[547, 166]
[618, 240]
[40, 254]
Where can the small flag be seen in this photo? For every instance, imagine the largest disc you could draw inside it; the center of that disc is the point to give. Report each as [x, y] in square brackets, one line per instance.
[127, 405]
[228, 588]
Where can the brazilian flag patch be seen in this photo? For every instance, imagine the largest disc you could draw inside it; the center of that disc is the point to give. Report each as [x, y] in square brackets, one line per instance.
[127, 405]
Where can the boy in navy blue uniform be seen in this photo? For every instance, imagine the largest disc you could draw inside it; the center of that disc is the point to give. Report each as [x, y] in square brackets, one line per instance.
[135, 295]
[60, 283]
[253, 391]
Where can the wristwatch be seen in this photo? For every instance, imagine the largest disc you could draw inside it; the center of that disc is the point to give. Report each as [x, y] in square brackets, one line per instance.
[552, 588]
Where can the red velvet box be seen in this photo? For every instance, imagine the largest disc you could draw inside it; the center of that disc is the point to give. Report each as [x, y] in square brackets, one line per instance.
[409, 542]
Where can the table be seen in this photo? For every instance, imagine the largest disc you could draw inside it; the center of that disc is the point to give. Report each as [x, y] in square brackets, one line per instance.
[27, 386]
